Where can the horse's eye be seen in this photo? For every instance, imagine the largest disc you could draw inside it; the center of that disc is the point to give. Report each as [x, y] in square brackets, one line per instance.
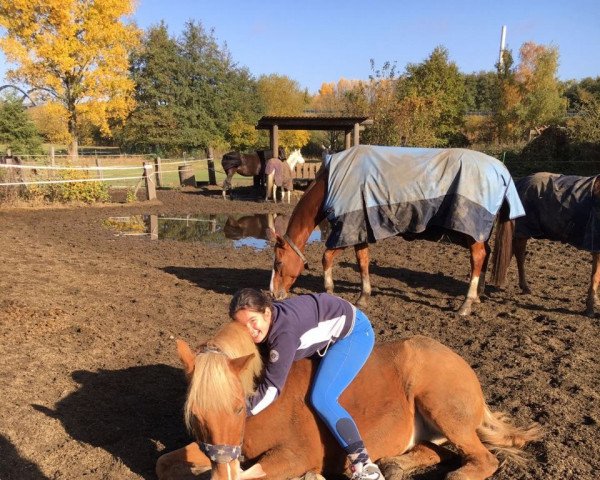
[239, 410]
[277, 265]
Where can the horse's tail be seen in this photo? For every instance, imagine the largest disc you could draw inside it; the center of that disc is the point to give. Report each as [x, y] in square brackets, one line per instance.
[503, 251]
[505, 439]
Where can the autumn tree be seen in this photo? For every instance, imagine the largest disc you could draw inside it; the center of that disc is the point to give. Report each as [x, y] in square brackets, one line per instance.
[76, 51]
[542, 102]
[282, 96]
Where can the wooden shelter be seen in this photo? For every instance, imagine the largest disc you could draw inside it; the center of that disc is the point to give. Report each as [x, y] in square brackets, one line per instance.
[351, 126]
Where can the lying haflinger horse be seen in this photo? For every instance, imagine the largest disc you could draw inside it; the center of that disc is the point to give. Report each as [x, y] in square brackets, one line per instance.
[564, 208]
[370, 193]
[280, 173]
[247, 165]
[410, 397]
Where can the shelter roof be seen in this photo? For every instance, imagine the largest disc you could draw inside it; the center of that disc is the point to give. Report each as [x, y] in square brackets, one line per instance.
[311, 122]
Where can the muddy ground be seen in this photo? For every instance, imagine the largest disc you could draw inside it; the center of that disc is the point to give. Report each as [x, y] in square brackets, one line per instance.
[90, 384]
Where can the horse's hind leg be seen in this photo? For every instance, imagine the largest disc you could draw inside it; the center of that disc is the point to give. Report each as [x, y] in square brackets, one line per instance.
[478, 256]
[327, 261]
[520, 249]
[362, 258]
[481, 285]
[593, 302]
[422, 455]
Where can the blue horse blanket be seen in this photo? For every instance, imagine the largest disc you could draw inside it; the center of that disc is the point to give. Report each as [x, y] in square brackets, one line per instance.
[377, 192]
[560, 208]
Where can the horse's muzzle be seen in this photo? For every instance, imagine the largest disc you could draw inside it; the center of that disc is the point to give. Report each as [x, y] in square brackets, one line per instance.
[280, 294]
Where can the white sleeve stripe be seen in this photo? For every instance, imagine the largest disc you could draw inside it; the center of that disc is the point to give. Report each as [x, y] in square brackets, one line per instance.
[267, 400]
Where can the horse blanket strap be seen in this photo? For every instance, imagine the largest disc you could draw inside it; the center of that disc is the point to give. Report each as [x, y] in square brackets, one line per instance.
[295, 248]
[376, 192]
[220, 453]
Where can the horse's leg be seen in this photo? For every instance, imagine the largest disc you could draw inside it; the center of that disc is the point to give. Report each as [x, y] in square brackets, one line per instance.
[182, 464]
[362, 259]
[270, 184]
[289, 196]
[328, 256]
[284, 462]
[520, 249]
[593, 302]
[481, 286]
[478, 254]
[422, 455]
[227, 182]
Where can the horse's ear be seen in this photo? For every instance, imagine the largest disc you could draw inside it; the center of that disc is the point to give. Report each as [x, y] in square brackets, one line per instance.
[187, 357]
[275, 238]
[239, 364]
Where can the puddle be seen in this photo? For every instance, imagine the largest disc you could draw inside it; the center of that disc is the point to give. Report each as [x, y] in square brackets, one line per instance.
[235, 230]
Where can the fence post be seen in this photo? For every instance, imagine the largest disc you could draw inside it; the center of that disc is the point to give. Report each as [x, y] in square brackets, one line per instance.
[186, 176]
[100, 174]
[153, 227]
[212, 177]
[150, 184]
[52, 155]
[158, 166]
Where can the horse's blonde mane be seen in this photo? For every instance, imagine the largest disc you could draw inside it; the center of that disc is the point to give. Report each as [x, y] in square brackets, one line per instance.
[213, 388]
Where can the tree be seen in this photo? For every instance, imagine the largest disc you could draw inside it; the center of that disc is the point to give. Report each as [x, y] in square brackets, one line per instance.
[76, 51]
[282, 96]
[432, 100]
[542, 101]
[17, 131]
[508, 100]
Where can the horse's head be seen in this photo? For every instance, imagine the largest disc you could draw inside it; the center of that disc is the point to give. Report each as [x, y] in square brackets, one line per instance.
[296, 156]
[287, 266]
[215, 409]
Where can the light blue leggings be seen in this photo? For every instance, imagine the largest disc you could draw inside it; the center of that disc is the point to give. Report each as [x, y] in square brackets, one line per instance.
[337, 369]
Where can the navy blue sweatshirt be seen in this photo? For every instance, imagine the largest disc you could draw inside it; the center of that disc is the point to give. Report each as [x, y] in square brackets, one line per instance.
[300, 327]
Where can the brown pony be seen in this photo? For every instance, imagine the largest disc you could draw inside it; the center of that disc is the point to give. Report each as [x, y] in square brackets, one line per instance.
[552, 213]
[410, 397]
[248, 165]
[308, 213]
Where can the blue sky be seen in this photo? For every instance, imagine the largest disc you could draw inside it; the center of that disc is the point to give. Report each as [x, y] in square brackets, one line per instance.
[316, 41]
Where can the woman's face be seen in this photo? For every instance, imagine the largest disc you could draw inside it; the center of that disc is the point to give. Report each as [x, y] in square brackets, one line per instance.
[257, 323]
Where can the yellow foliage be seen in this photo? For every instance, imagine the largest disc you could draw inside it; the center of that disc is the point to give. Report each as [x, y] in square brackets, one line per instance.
[51, 121]
[77, 51]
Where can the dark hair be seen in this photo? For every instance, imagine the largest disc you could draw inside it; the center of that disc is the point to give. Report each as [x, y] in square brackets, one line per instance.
[251, 299]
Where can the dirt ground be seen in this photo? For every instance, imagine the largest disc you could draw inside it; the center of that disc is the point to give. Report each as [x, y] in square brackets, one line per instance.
[90, 383]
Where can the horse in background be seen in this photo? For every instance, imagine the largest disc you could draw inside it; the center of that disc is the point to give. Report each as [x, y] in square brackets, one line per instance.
[408, 223]
[281, 174]
[247, 165]
[563, 208]
[256, 226]
[417, 391]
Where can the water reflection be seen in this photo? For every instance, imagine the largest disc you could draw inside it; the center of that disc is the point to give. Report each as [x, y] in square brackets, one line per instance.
[236, 230]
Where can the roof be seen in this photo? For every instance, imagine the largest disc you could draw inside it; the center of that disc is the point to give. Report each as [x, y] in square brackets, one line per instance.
[311, 122]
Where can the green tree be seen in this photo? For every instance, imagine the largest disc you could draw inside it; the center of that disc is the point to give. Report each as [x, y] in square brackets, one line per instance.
[154, 126]
[585, 125]
[507, 100]
[432, 100]
[76, 51]
[17, 131]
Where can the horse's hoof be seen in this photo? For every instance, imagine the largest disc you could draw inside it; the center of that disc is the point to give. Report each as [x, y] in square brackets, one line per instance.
[362, 302]
[465, 309]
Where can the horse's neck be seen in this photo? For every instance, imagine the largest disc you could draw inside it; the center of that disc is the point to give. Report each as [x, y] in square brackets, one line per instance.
[308, 212]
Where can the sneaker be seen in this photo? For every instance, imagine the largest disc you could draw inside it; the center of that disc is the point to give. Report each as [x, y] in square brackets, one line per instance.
[367, 471]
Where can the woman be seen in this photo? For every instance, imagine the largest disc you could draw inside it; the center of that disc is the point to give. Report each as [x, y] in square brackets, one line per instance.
[300, 327]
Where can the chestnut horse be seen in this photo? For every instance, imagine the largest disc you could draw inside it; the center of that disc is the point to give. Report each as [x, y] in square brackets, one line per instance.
[410, 397]
[308, 213]
[560, 208]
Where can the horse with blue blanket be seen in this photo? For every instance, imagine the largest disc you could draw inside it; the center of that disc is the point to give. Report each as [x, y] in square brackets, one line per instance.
[369, 193]
[564, 208]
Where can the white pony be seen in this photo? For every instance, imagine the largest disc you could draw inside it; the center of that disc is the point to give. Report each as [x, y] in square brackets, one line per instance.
[280, 174]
